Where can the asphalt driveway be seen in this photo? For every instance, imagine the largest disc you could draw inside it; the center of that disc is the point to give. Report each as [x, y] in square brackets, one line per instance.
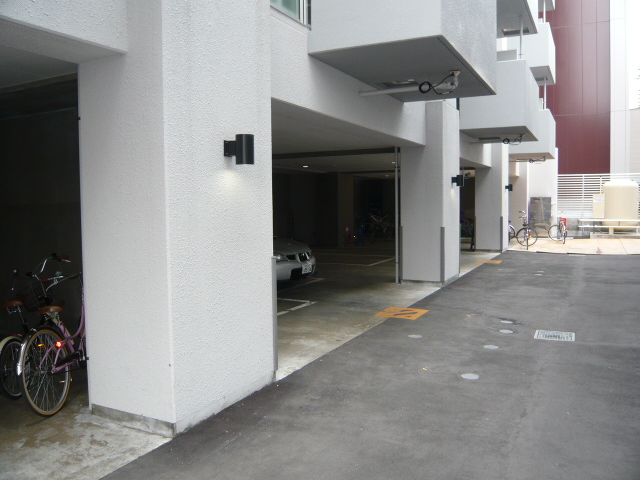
[464, 391]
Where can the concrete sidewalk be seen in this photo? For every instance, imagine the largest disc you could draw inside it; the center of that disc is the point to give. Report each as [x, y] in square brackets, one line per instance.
[465, 391]
[583, 246]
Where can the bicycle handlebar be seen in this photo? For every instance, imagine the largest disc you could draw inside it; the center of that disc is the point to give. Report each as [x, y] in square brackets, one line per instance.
[41, 265]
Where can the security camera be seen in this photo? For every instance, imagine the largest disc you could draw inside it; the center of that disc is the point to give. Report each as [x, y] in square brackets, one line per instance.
[448, 85]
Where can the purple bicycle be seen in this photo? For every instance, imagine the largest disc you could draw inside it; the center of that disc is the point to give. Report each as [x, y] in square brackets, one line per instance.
[49, 353]
[28, 294]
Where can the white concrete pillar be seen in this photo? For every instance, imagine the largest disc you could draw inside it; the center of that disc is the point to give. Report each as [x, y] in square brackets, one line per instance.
[177, 238]
[519, 197]
[492, 221]
[430, 202]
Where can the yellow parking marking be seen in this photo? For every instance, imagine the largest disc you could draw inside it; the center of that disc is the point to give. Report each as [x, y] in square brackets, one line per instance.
[494, 262]
[406, 313]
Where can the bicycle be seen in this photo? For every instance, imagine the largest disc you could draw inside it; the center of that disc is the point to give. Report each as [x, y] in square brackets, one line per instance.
[559, 231]
[512, 231]
[379, 227]
[28, 298]
[526, 235]
[49, 353]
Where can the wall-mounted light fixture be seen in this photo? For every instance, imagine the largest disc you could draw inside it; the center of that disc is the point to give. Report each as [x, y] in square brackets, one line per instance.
[509, 187]
[242, 149]
[458, 180]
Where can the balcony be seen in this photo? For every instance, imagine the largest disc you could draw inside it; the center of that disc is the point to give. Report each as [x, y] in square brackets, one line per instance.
[511, 114]
[515, 16]
[399, 45]
[546, 6]
[544, 147]
[540, 52]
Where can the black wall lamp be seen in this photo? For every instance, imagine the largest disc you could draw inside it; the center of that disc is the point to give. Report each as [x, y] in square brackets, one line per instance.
[458, 180]
[241, 148]
[509, 187]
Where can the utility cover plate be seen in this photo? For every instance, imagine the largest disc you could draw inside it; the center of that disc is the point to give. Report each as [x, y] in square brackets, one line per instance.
[557, 336]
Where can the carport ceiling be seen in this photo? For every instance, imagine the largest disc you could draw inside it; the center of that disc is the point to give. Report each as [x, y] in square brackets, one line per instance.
[31, 83]
[300, 137]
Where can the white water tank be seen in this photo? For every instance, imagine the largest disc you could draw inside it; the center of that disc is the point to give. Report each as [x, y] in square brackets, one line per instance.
[620, 201]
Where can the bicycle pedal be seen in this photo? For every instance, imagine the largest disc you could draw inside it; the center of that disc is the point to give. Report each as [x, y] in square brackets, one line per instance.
[68, 358]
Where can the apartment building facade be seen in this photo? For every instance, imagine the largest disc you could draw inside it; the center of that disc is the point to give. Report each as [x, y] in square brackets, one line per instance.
[176, 236]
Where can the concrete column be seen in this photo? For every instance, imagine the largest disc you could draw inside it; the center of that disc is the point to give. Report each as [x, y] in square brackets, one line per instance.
[177, 238]
[492, 200]
[430, 203]
[519, 197]
[345, 207]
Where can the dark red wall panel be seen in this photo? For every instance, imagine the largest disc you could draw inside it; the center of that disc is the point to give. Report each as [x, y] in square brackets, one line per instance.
[580, 100]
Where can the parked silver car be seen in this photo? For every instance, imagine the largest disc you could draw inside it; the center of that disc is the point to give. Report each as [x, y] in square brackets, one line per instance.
[293, 259]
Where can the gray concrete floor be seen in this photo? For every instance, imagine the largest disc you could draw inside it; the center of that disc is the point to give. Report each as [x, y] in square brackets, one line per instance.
[317, 315]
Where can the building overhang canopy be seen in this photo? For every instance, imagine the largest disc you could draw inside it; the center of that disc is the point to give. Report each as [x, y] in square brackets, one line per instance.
[514, 15]
[510, 116]
[425, 42]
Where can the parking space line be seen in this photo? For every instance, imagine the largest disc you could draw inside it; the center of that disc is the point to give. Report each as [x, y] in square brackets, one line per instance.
[303, 304]
[360, 264]
[301, 284]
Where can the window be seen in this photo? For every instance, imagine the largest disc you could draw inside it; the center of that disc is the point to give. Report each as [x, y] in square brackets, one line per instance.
[298, 9]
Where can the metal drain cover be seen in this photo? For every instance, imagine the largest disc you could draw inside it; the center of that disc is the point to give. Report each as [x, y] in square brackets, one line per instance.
[558, 336]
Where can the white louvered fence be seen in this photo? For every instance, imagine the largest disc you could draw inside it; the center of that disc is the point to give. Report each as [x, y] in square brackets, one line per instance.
[575, 192]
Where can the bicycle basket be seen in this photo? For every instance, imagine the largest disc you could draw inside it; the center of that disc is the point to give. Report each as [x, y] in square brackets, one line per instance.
[33, 295]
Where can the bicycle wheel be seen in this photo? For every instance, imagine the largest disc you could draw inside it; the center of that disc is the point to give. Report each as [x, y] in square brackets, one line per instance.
[8, 363]
[44, 391]
[555, 233]
[525, 235]
[512, 232]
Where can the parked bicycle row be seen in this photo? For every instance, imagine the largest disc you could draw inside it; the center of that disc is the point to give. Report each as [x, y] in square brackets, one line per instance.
[36, 362]
[527, 234]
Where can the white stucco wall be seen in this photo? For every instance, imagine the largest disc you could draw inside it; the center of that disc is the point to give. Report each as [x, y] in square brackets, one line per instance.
[539, 50]
[546, 143]
[341, 24]
[124, 225]
[477, 43]
[620, 118]
[217, 84]
[516, 100]
[472, 153]
[76, 31]
[492, 218]
[367, 22]
[543, 182]
[177, 238]
[301, 80]
[430, 201]
[519, 197]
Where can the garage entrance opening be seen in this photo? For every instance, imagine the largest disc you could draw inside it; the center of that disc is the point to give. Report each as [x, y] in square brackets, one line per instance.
[345, 206]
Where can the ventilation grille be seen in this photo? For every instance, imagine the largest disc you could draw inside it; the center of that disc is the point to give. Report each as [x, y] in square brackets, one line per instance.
[557, 336]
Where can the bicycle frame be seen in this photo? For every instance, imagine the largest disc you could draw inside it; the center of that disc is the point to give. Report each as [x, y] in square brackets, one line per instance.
[67, 341]
[76, 354]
